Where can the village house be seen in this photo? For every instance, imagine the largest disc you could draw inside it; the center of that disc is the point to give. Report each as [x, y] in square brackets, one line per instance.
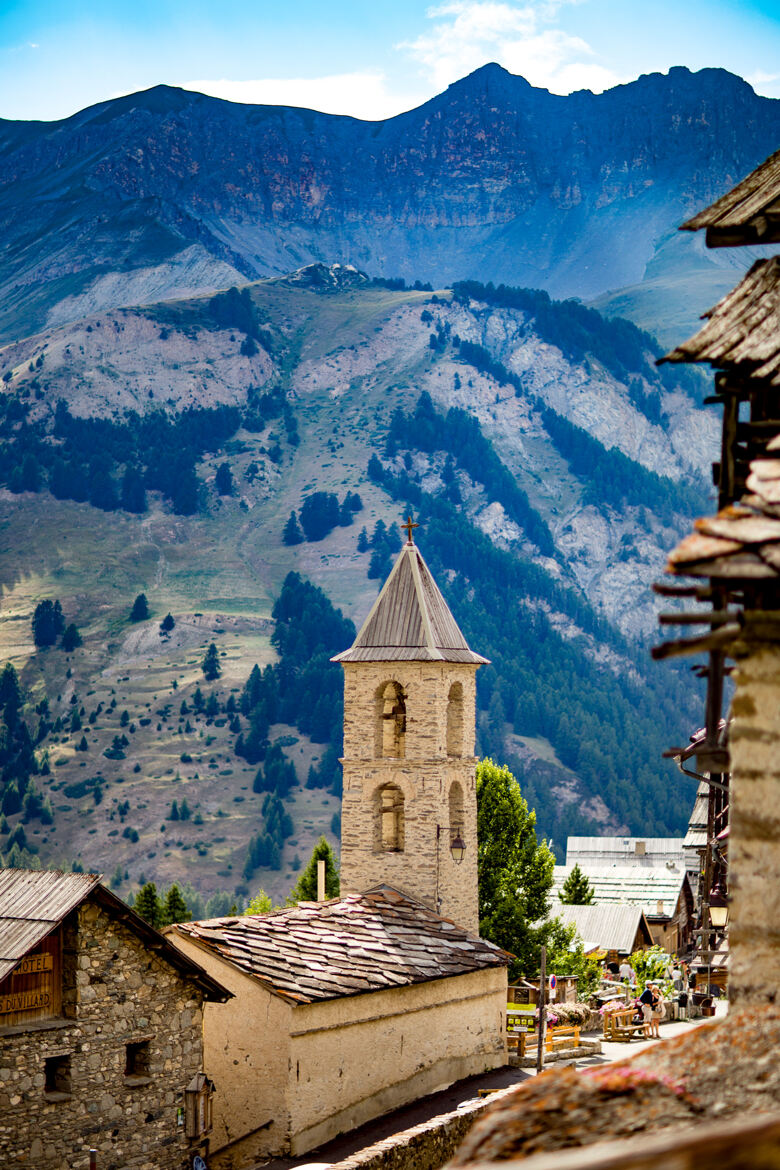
[646, 852]
[610, 928]
[101, 1039]
[349, 1008]
[663, 894]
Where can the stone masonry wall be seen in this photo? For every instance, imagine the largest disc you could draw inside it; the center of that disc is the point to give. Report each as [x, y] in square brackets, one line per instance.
[121, 993]
[754, 842]
[425, 774]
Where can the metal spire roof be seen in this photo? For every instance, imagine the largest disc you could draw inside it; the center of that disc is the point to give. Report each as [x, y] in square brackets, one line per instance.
[410, 620]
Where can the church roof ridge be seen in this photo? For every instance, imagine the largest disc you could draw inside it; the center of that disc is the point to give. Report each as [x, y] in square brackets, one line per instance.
[410, 620]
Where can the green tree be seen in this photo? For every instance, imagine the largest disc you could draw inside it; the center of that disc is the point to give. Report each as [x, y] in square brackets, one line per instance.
[210, 665]
[71, 638]
[577, 890]
[174, 907]
[140, 610]
[149, 906]
[167, 624]
[291, 533]
[260, 904]
[47, 623]
[224, 480]
[515, 871]
[305, 889]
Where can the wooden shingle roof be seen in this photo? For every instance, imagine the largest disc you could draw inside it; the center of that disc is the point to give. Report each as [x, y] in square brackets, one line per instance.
[747, 214]
[373, 941]
[742, 330]
[34, 902]
[741, 542]
[629, 885]
[410, 620]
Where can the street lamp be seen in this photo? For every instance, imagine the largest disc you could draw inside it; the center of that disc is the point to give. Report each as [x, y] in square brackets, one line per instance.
[719, 911]
[457, 844]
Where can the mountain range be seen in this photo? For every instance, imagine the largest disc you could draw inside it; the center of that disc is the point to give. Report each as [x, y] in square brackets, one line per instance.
[167, 192]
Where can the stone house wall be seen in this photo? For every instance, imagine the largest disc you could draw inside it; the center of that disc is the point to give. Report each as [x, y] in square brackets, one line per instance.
[116, 991]
[290, 1078]
[754, 842]
[425, 774]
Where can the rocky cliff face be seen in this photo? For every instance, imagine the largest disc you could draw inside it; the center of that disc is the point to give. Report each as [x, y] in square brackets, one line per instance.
[171, 191]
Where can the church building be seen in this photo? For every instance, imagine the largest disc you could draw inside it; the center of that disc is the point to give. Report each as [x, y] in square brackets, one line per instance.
[346, 1009]
[409, 809]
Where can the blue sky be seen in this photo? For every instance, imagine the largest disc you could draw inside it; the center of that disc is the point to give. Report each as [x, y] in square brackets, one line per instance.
[369, 59]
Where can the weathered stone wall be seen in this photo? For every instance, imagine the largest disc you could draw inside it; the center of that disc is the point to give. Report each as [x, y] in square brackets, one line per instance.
[247, 1055]
[120, 993]
[754, 842]
[425, 774]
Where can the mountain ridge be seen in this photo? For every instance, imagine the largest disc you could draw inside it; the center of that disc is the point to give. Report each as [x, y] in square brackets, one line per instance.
[168, 191]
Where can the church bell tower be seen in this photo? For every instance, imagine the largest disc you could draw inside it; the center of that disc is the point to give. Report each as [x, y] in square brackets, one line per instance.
[409, 810]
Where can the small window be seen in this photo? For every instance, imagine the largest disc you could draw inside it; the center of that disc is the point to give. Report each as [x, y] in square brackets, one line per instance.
[57, 1071]
[137, 1061]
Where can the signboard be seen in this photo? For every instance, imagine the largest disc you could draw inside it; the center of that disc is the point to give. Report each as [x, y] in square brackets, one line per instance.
[26, 1001]
[29, 986]
[553, 985]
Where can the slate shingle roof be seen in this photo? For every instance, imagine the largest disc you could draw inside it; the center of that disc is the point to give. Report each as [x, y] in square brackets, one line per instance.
[410, 620]
[743, 329]
[741, 542]
[326, 950]
[747, 214]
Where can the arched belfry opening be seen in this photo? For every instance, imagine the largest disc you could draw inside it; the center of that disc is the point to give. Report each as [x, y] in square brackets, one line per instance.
[391, 721]
[456, 808]
[455, 720]
[389, 819]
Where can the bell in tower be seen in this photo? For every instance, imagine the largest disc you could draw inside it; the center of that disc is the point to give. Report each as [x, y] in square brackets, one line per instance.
[409, 810]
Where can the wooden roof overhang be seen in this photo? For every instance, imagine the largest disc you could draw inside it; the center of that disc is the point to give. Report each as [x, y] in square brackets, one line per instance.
[747, 214]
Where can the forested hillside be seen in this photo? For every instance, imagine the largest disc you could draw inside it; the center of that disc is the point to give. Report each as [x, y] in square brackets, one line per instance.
[243, 461]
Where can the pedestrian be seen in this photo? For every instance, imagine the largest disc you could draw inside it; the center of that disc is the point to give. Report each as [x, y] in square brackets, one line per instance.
[682, 1005]
[646, 1003]
[658, 1011]
[627, 973]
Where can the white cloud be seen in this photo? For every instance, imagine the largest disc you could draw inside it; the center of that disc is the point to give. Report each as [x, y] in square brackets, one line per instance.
[520, 36]
[362, 95]
[767, 84]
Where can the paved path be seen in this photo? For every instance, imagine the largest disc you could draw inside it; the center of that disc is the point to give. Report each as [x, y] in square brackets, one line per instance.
[449, 1099]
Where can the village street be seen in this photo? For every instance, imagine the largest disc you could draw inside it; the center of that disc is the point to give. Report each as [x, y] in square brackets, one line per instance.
[466, 1091]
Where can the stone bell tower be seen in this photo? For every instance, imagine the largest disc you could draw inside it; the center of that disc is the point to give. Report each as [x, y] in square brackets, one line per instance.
[409, 811]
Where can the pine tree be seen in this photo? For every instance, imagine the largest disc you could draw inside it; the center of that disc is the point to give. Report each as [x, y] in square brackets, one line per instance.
[210, 665]
[224, 480]
[305, 889]
[362, 543]
[174, 908]
[173, 815]
[148, 905]
[140, 610]
[167, 624]
[577, 890]
[71, 638]
[47, 623]
[291, 533]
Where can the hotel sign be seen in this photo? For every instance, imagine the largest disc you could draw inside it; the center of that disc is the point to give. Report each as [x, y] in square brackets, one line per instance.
[30, 999]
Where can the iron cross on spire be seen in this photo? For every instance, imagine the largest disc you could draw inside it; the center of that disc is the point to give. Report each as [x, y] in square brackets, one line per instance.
[409, 526]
